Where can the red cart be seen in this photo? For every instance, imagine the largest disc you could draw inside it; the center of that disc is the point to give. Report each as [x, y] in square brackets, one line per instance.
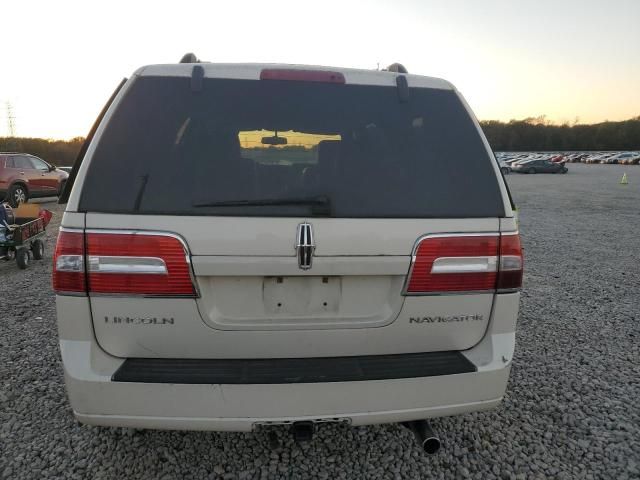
[25, 240]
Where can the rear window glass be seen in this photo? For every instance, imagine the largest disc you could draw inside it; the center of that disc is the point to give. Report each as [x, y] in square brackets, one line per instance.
[288, 148]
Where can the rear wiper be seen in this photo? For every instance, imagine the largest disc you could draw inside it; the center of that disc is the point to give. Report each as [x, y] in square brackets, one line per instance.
[317, 201]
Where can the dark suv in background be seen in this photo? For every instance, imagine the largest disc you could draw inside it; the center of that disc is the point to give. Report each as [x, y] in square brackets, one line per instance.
[24, 176]
[540, 166]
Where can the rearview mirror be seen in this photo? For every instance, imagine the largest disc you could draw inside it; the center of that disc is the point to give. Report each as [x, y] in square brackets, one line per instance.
[274, 140]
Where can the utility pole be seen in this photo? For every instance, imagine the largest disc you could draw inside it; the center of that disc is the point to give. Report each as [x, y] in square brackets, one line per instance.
[11, 124]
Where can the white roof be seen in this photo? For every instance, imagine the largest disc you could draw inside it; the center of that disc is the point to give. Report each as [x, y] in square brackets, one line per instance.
[251, 71]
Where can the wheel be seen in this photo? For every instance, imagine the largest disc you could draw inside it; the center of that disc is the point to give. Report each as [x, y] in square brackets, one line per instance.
[9, 254]
[564, 170]
[505, 171]
[17, 195]
[37, 247]
[531, 170]
[22, 258]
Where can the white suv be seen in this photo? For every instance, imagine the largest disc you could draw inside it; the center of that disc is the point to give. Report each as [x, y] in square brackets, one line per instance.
[248, 245]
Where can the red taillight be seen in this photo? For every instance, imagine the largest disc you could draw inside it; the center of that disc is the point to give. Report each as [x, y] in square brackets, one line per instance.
[453, 264]
[302, 75]
[130, 263]
[511, 262]
[138, 263]
[466, 263]
[68, 263]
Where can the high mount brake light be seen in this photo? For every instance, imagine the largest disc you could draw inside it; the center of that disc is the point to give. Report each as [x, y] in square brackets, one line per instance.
[122, 263]
[302, 75]
[466, 263]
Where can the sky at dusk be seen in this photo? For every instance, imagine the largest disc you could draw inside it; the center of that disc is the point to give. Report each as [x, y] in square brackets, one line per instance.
[566, 59]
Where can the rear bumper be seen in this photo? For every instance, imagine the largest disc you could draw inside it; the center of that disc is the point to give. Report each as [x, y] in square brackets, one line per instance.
[246, 424]
[98, 400]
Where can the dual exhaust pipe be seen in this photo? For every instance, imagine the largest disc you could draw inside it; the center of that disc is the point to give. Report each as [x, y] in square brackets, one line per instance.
[421, 429]
[424, 435]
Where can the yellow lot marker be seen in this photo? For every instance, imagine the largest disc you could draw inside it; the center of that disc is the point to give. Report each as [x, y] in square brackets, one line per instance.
[623, 180]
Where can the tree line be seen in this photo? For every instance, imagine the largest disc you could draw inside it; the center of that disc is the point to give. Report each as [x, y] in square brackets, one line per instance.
[538, 134]
[530, 134]
[57, 152]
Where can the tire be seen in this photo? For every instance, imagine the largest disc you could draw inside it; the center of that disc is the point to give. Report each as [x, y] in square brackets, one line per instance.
[564, 170]
[22, 258]
[37, 248]
[505, 171]
[17, 194]
[531, 170]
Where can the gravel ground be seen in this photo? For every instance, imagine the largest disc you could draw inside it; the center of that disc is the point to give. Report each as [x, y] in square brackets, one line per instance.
[572, 409]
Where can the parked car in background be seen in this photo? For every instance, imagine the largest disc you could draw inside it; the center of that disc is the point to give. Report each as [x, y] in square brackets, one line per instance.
[625, 158]
[577, 157]
[600, 157]
[306, 267]
[540, 166]
[65, 169]
[527, 159]
[518, 158]
[24, 176]
[505, 168]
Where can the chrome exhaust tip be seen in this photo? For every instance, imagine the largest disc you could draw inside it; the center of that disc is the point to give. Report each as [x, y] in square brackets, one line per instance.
[424, 435]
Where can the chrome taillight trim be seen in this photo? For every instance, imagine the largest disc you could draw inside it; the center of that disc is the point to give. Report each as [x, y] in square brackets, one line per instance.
[508, 290]
[71, 230]
[140, 295]
[64, 293]
[480, 264]
[451, 234]
[126, 265]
